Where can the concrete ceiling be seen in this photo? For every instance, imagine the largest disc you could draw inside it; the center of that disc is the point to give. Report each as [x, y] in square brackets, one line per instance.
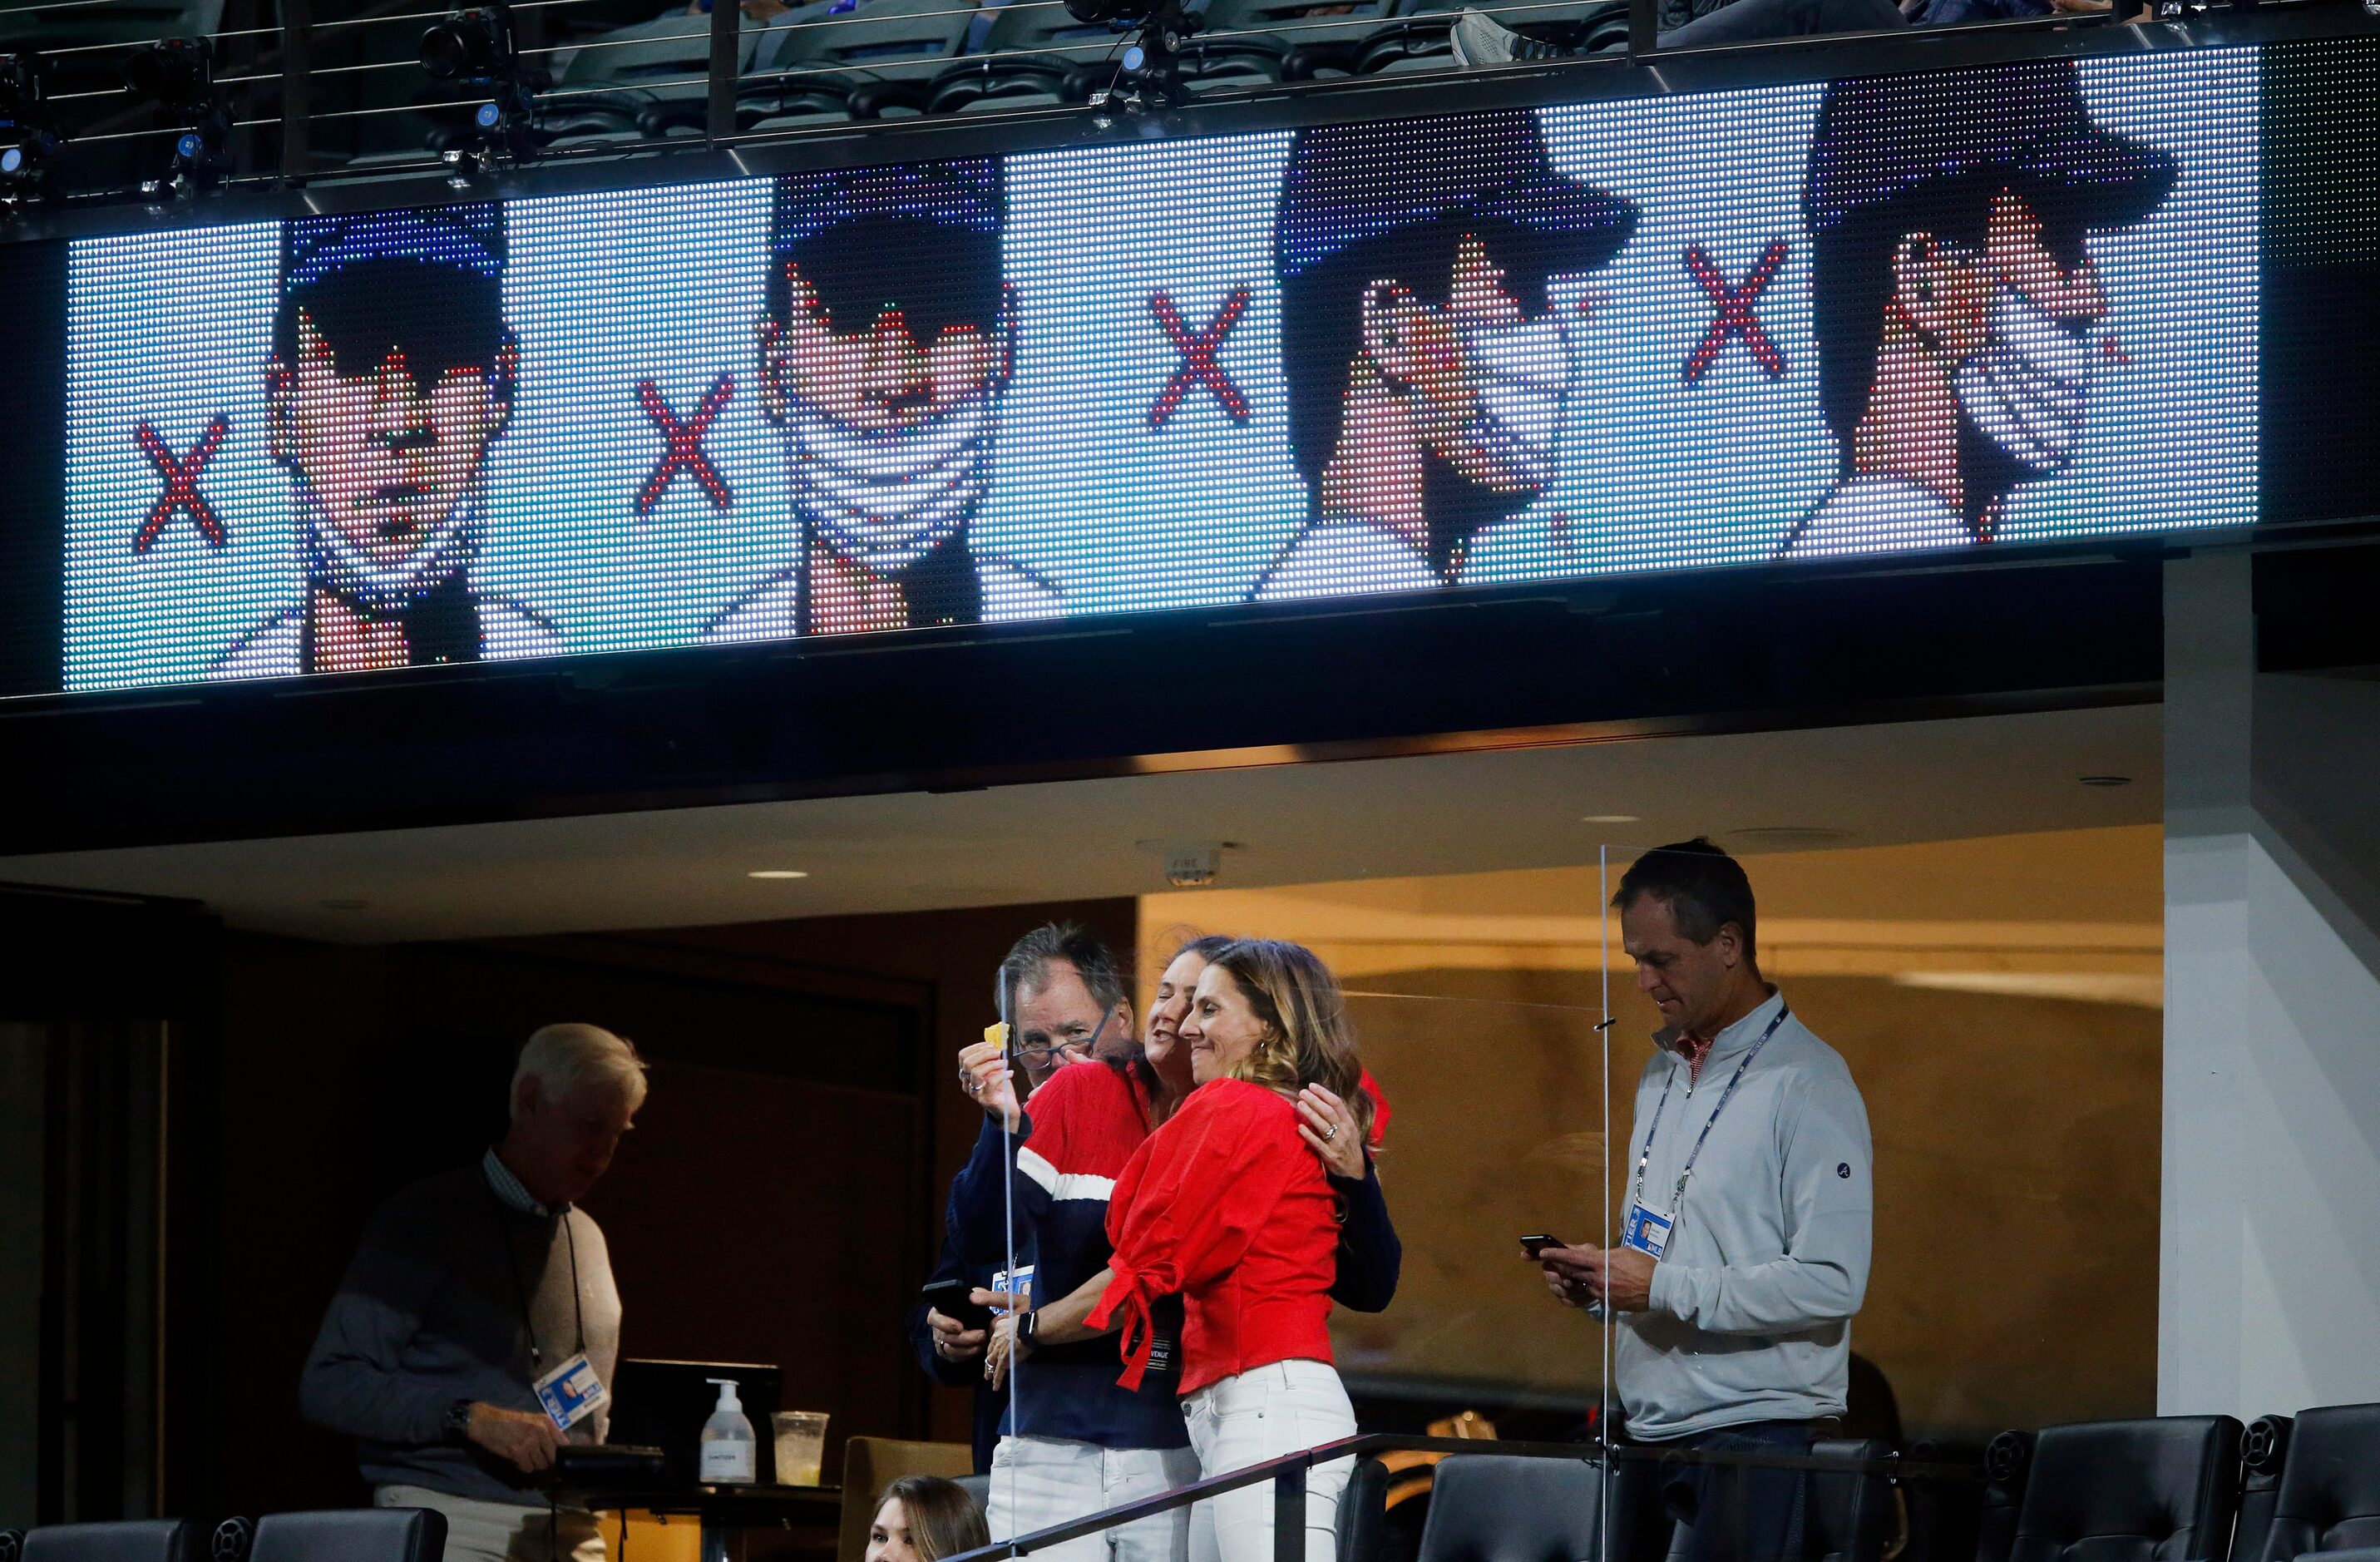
[1289, 824]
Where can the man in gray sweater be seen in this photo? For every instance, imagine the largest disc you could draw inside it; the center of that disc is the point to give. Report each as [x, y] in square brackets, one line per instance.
[1749, 1199]
[468, 1290]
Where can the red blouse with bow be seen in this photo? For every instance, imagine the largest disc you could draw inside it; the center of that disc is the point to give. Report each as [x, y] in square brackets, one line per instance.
[1226, 1205]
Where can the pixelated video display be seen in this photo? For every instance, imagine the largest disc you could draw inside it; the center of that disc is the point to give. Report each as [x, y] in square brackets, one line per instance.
[1946, 310]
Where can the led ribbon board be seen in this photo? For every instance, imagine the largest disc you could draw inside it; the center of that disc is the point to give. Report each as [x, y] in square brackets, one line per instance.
[1954, 311]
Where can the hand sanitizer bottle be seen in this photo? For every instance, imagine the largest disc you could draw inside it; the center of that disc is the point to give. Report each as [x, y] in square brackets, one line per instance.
[728, 1447]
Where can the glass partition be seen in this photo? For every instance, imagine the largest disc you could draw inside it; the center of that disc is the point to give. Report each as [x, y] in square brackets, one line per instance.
[1994, 1004]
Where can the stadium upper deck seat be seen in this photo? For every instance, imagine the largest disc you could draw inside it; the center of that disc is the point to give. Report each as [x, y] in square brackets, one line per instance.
[2161, 1490]
[1852, 1517]
[2264, 1452]
[888, 51]
[354, 1535]
[663, 57]
[1252, 41]
[54, 29]
[1495, 1507]
[2329, 1495]
[1018, 55]
[791, 80]
[137, 1539]
[2008, 1461]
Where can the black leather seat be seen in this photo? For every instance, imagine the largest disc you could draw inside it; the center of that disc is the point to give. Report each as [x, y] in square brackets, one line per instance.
[2264, 1451]
[1495, 1507]
[2007, 1460]
[352, 1534]
[978, 1487]
[1362, 1513]
[2165, 1490]
[2329, 1497]
[136, 1540]
[1852, 1517]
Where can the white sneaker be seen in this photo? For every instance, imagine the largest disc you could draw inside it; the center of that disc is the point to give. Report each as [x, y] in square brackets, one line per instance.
[1481, 42]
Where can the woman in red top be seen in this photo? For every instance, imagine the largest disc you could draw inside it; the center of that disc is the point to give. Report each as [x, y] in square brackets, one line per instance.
[1226, 1205]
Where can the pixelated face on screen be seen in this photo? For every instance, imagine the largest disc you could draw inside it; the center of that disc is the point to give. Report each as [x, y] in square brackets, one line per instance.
[1427, 364]
[1960, 303]
[1944, 311]
[391, 373]
[888, 342]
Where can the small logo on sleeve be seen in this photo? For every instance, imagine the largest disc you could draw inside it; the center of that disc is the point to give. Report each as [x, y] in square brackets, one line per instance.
[1842, 1169]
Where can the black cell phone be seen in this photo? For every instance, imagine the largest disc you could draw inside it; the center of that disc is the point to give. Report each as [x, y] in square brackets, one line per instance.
[949, 1297]
[1538, 1240]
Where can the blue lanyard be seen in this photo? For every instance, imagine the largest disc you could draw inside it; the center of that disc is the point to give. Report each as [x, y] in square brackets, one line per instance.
[1678, 1197]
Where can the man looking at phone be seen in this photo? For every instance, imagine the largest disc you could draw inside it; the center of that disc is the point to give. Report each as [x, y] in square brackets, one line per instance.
[476, 1328]
[1068, 995]
[1749, 1197]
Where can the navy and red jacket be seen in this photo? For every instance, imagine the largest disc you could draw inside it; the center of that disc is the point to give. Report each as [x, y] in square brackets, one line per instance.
[1083, 1128]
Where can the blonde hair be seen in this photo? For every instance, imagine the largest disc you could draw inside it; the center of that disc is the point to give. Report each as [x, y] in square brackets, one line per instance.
[561, 1057]
[1307, 1041]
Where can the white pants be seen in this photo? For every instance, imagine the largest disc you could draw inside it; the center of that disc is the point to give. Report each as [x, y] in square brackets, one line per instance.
[1263, 1413]
[479, 1531]
[1037, 1481]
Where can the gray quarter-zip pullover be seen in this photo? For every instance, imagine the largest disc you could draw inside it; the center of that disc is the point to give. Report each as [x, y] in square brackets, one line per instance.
[1767, 1260]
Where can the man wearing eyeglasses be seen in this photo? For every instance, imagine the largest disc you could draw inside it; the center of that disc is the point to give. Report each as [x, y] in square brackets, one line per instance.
[1067, 998]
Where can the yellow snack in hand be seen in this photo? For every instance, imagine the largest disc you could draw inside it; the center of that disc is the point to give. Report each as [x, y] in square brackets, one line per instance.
[997, 1033]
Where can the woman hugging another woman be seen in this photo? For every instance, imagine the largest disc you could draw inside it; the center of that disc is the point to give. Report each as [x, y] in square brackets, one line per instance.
[1226, 1205]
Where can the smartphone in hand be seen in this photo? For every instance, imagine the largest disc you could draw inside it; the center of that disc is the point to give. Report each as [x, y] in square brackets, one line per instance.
[952, 1299]
[1537, 1242]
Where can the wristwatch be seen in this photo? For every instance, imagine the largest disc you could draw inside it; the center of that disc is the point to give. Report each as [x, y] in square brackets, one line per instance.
[455, 1424]
[1025, 1328]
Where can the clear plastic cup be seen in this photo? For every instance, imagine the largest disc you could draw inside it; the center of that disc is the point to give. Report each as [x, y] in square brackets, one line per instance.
[801, 1445]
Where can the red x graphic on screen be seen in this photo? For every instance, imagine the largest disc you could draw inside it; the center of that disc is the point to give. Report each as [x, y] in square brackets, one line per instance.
[181, 491]
[684, 441]
[1197, 350]
[1735, 316]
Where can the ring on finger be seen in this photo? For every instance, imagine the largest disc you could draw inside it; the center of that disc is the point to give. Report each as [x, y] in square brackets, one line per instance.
[1329, 1131]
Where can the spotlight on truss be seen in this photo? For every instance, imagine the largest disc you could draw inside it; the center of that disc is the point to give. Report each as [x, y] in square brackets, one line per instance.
[474, 46]
[1149, 73]
[178, 74]
[29, 136]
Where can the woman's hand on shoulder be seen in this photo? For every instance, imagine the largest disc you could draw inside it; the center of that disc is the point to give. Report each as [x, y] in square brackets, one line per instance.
[1331, 1131]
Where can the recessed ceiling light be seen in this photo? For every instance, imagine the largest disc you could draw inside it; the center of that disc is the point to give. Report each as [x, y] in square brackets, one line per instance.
[2106, 780]
[1608, 819]
[1789, 835]
[776, 873]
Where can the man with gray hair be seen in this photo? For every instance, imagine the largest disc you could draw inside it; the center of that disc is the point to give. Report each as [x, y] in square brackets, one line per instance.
[477, 1325]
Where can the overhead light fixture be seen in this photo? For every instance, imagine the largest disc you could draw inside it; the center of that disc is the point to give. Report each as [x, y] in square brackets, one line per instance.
[175, 71]
[2106, 780]
[469, 46]
[1784, 837]
[27, 135]
[1190, 865]
[178, 74]
[777, 873]
[474, 45]
[1149, 75]
[1608, 819]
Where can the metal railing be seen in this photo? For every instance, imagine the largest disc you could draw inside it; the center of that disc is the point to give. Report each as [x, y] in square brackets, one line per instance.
[1287, 1473]
[308, 95]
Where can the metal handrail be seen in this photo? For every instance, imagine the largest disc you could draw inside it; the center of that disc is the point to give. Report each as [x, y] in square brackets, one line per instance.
[1287, 1473]
[116, 115]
